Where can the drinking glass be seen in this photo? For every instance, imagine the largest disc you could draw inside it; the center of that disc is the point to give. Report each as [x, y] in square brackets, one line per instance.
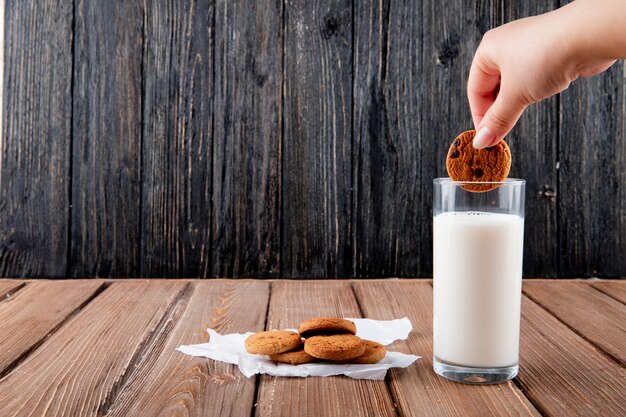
[478, 240]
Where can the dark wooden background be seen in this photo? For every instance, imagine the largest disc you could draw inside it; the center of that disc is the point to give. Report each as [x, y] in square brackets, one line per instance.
[269, 138]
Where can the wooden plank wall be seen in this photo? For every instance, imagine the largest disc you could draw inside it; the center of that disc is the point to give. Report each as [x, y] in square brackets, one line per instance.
[271, 138]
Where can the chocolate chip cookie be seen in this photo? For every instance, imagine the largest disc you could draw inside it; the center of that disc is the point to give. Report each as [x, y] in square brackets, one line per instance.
[482, 166]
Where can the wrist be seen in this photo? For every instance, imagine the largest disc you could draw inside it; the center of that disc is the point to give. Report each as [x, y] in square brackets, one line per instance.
[592, 30]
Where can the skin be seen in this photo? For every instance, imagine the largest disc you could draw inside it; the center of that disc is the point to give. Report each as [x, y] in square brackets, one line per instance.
[531, 59]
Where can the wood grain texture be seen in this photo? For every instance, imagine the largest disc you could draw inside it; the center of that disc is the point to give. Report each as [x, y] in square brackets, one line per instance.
[76, 370]
[7, 288]
[562, 374]
[592, 178]
[25, 322]
[411, 67]
[247, 152]
[106, 138]
[177, 139]
[278, 139]
[615, 289]
[450, 35]
[2, 10]
[534, 144]
[35, 138]
[116, 356]
[417, 390]
[290, 303]
[168, 383]
[389, 98]
[316, 180]
[597, 317]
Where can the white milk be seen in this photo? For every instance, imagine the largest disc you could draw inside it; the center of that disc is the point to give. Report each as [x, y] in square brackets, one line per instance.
[477, 288]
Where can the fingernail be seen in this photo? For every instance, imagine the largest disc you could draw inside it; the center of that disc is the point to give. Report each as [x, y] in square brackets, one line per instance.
[483, 138]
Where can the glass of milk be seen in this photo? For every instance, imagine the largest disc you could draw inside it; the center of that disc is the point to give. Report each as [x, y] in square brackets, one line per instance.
[477, 280]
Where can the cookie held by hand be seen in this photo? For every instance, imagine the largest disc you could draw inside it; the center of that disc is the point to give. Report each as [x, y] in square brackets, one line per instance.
[483, 166]
[272, 342]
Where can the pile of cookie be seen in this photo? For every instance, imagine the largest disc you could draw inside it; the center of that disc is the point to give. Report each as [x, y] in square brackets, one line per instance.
[330, 339]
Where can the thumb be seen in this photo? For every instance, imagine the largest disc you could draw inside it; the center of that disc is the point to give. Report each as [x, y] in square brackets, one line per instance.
[499, 119]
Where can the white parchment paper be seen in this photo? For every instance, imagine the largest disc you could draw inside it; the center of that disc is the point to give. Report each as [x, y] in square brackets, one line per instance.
[230, 348]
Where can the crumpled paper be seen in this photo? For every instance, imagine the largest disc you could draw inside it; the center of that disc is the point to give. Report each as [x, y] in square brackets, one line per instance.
[230, 348]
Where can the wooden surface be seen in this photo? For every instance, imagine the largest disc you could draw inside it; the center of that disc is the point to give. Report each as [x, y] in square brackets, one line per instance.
[387, 167]
[592, 314]
[247, 138]
[176, 173]
[562, 374]
[592, 178]
[185, 383]
[35, 154]
[432, 396]
[7, 288]
[109, 348]
[612, 289]
[106, 138]
[318, 139]
[292, 138]
[292, 302]
[534, 151]
[82, 366]
[40, 309]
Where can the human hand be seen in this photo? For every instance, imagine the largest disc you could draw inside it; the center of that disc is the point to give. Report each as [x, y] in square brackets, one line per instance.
[529, 60]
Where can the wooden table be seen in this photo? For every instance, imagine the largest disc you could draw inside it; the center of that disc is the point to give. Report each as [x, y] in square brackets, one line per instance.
[103, 347]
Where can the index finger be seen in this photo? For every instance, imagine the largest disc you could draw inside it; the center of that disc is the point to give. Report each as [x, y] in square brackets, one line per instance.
[483, 85]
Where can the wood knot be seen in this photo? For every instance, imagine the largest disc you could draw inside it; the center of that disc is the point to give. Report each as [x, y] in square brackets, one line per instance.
[547, 192]
[448, 51]
[330, 27]
[446, 56]
[15, 241]
[260, 79]
[222, 379]
[259, 76]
